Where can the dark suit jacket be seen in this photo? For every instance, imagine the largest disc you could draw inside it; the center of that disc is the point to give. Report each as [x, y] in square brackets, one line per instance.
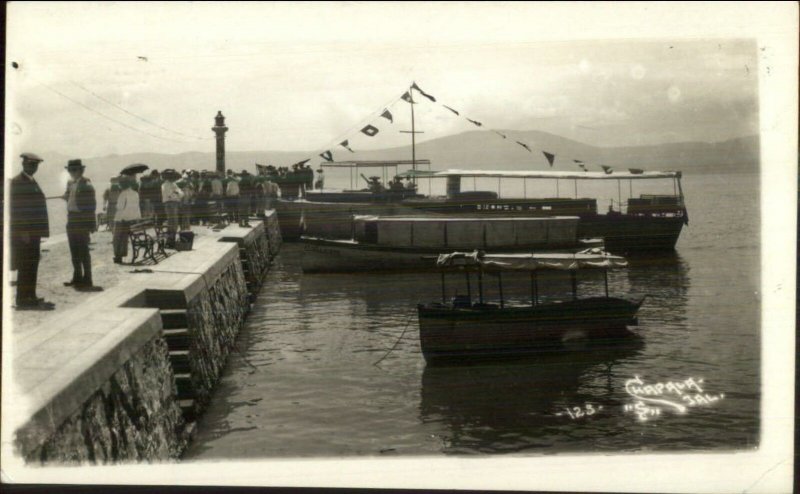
[28, 208]
[85, 218]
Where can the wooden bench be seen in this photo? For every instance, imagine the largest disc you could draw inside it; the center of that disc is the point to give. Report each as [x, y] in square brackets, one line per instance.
[151, 245]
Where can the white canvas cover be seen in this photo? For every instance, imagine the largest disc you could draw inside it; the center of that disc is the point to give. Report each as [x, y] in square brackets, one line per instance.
[589, 258]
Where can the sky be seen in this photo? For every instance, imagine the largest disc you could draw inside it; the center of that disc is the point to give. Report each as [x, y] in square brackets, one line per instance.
[96, 79]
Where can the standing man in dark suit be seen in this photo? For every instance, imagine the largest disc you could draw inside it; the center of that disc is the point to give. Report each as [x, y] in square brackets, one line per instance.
[29, 224]
[81, 221]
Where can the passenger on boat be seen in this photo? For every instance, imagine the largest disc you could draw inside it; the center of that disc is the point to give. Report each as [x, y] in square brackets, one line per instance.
[375, 184]
[320, 183]
[396, 184]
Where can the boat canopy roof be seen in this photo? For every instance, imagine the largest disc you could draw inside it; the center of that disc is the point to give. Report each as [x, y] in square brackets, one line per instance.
[374, 163]
[589, 258]
[417, 174]
[558, 174]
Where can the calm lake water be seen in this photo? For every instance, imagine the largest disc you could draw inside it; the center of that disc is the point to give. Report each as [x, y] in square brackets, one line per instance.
[303, 383]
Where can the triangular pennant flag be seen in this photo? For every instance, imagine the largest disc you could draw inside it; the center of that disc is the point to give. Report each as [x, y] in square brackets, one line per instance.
[346, 145]
[387, 116]
[327, 156]
[636, 171]
[451, 109]
[300, 163]
[550, 157]
[607, 169]
[414, 86]
[370, 130]
[583, 167]
[407, 97]
[475, 122]
[524, 145]
[577, 161]
[500, 134]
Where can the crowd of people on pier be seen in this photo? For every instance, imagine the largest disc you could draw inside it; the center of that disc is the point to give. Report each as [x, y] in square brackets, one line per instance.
[169, 200]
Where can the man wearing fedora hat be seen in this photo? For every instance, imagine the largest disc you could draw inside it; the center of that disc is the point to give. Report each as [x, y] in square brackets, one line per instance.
[81, 206]
[29, 224]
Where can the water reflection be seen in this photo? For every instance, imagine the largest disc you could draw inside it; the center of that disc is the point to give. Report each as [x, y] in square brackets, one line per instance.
[521, 405]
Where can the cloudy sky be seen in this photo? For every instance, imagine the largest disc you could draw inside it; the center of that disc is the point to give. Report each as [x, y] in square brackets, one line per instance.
[299, 76]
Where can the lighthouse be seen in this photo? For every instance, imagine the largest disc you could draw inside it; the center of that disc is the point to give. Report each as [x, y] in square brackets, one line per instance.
[219, 129]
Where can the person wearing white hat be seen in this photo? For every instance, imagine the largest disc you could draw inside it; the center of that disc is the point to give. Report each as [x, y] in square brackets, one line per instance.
[171, 195]
[29, 224]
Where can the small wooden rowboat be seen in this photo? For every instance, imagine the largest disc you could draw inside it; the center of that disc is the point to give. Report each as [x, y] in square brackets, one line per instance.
[465, 328]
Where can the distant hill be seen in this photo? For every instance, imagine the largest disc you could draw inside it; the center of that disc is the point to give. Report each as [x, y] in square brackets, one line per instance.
[470, 150]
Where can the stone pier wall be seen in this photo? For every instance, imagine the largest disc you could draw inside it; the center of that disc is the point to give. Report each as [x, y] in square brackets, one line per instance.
[214, 318]
[133, 416]
[105, 381]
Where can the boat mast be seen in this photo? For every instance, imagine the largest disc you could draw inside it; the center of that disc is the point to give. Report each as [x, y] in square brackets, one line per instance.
[413, 133]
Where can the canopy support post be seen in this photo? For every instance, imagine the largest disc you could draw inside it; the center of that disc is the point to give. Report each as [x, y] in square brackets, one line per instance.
[499, 193]
[469, 287]
[500, 286]
[557, 191]
[525, 188]
[533, 288]
[444, 296]
[619, 193]
[480, 286]
[576, 188]
[605, 275]
[574, 277]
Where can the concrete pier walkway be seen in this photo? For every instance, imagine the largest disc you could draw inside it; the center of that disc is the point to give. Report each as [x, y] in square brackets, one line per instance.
[102, 364]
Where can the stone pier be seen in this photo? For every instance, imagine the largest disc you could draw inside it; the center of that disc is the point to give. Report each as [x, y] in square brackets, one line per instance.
[122, 376]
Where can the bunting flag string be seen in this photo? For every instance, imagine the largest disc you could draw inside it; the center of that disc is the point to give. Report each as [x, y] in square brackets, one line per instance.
[550, 157]
[454, 111]
[414, 86]
[370, 130]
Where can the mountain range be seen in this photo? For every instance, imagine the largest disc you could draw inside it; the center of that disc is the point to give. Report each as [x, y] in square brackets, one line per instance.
[468, 150]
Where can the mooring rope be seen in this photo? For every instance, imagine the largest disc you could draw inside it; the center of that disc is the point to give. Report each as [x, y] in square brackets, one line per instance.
[408, 320]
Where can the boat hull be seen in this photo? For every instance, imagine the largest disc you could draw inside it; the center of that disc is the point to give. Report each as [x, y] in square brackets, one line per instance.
[623, 233]
[457, 334]
[340, 256]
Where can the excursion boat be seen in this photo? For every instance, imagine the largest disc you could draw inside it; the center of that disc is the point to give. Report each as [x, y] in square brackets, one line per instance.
[649, 222]
[402, 243]
[468, 328]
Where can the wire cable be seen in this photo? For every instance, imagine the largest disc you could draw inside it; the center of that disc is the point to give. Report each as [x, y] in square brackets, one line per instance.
[137, 116]
[106, 116]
